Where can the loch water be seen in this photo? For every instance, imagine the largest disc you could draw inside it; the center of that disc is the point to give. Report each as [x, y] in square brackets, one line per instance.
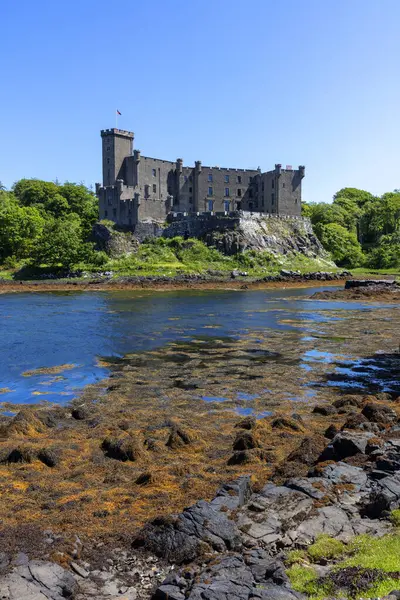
[74, 331]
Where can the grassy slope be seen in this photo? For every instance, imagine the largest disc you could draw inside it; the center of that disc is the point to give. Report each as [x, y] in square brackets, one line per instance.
[363, 551]
[177, 256]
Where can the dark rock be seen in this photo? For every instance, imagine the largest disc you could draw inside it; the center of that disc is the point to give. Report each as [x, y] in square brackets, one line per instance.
[168, 592]
[384, 497]
[286, 423]
[308, 451]
[183, 384]
[121, 448]
[178, 437]
[193, 532]
[331, 431]
[347, 401]
[378, 413]
[80, 413]
[345, 444]
[242, 457]
[48, 457]
[265, 568]
[245, 440]
[144, 478]
[354, 421]
[22, 454]
[247, 423]
[324, 409]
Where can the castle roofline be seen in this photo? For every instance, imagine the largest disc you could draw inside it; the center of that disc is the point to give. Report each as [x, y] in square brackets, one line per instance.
[120, 132]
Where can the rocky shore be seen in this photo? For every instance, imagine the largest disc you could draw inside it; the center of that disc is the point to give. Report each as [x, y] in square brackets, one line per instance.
[210, 280]
[236, 546]
[94, 494]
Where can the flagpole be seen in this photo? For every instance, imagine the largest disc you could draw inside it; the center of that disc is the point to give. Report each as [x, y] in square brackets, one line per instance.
[116, 119]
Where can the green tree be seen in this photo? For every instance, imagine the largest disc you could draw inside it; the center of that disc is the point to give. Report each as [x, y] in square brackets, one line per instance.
[83, 202]
[61, 243]
[341, 243]
[20, 227]
[360, 197]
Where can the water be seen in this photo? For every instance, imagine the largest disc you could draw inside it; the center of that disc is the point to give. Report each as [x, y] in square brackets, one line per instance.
[77, 329]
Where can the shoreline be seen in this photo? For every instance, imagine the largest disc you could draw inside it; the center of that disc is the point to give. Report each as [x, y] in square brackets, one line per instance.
[156, 286]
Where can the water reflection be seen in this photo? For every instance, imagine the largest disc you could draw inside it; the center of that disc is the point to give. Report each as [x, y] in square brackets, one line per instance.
[50, 329]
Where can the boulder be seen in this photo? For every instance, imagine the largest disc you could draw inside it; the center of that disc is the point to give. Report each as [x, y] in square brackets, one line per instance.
[345, 444]
[324, 409]
[355, 421]
[247, 423]
[286, 423]
[385, 497]
[38, 580]
[123, 449]
[198, 529]
[245, 440]
[178, 437]
[347, 402]
[379, 413]
[308, 451]
[331, 431]
[49, 457]
[80, 413]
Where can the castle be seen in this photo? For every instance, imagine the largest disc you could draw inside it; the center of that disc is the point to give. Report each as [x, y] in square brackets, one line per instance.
[141, 189]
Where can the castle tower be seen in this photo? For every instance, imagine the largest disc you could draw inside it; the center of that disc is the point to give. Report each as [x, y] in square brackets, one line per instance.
[117, 144]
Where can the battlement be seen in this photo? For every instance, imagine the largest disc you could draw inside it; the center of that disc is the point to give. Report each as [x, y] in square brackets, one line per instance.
[119, 132]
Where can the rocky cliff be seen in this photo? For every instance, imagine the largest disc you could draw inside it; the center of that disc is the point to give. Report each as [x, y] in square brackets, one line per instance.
[233, 234]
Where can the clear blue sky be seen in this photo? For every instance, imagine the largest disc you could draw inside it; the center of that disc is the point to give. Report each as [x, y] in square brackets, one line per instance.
[229, 82]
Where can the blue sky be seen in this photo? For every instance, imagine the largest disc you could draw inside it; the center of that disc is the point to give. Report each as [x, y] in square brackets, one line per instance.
[228, 82]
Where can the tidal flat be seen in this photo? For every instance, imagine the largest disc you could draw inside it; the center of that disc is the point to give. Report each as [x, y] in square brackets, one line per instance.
[142, 420]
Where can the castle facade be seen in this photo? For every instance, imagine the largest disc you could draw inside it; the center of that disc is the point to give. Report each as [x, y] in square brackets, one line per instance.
[141, 189]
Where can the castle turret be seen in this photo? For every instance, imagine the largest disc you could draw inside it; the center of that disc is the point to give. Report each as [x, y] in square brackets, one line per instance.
[117, 144]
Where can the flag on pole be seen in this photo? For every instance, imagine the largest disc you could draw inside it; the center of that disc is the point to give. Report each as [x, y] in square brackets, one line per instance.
[118, 113]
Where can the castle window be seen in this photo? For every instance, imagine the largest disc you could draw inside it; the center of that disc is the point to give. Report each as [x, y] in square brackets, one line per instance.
[262, 186]
[190, 190]
[210, 204]
[106, 213]
[210, 177]
[250, 206]
[283, 185]
[250, 193]
[190, 178]
[108, 161]
[108, 148]
[239, 192]
[226, 205]
[154, 172]
[190, 199]
[250, 179]
[239, 179]
[114, 212]
[146, 191]
[272, 184]
[226, 178]
[226, 191]
[210, 191]
[154, 188]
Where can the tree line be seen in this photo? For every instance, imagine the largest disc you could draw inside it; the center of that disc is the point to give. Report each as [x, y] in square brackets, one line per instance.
[358, 228]
[45, 223]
